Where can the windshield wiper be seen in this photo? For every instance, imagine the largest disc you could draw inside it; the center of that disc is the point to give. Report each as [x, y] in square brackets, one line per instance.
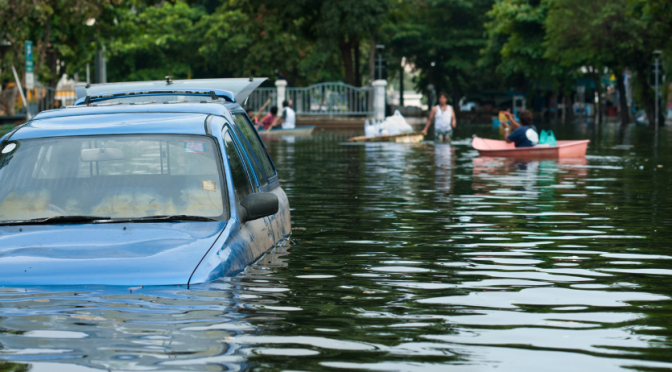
[180, 217]
[56, 219]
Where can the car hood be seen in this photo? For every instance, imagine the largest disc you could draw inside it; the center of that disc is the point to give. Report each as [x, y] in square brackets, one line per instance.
[105, 254]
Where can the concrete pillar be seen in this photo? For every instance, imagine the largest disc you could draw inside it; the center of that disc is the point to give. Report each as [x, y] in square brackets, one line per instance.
[101, 67]
[281, 85]
[379, 99]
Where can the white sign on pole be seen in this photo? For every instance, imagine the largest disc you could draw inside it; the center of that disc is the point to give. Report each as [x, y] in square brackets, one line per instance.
[30, 78]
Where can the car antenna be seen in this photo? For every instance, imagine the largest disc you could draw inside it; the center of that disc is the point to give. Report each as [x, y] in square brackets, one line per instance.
[168, 81]
[213, 95]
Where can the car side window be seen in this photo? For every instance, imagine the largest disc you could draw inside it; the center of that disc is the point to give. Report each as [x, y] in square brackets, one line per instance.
[252, 164]
[255, 144]
[241, 181]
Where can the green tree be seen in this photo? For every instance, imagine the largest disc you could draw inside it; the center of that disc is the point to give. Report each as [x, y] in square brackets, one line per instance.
[148, 42]
[443, 39]
[599, 34]
[516, 39]
[249, 39]
[656, 15]
[62, 31]
[333, 27]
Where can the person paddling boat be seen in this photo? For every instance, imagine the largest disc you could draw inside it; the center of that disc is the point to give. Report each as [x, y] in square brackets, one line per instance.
[523, 134]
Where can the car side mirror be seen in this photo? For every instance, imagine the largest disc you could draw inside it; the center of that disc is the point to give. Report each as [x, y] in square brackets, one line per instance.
[259, 205]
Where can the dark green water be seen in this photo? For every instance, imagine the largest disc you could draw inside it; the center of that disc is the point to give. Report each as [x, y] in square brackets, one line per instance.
[405, 258]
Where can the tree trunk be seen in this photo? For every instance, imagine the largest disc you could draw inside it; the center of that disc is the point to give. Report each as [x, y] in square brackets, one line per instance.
[647, 93]
[570, 107]
[372, 60]
[401, 86]
[358, 68]
[622, 98]
[598, 88]
[456, 92]
[346, 54]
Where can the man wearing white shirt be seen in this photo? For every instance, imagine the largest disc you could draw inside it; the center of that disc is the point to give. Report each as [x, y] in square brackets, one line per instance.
[288, 118]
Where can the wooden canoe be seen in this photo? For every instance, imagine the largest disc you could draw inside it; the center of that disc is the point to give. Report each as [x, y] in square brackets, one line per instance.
[399, 138]
[564, 149]
[305, 130]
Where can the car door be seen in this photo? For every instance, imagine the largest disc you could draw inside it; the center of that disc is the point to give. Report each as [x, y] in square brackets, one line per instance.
[257, 178]
[259, 156]
[255, 232]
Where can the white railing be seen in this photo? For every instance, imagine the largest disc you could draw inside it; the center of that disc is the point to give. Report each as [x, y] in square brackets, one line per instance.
[319, 99]
[332, 99]
[259, 97]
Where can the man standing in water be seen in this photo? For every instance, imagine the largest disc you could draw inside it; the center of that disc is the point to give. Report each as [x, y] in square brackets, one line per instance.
[288, 118]
[444, 119]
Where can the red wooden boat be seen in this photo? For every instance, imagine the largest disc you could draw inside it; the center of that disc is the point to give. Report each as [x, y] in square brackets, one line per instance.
[564, 149]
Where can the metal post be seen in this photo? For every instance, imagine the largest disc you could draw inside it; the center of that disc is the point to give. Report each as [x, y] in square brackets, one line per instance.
[23, 97]
[380, 61]
[401, 87]
[88, 74]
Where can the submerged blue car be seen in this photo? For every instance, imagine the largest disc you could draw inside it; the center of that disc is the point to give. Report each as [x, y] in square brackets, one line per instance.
[149, 183]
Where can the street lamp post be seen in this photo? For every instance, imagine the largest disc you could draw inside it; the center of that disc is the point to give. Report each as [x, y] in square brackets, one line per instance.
[380, 61]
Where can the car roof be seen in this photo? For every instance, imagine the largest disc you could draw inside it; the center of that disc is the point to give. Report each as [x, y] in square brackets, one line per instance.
[178, 118]
[234, 89]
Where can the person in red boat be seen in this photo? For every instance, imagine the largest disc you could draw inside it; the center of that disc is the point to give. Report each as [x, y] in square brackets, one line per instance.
[523, 134]
[268, 120]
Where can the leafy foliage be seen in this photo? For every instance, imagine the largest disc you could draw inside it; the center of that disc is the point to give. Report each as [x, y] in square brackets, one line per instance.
[460, 46]
[443, 38]
[58, 29]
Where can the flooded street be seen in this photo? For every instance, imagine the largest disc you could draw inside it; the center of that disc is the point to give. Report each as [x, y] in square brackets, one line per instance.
[405, 258]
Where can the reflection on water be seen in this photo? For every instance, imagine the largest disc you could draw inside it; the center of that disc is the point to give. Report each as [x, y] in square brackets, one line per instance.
[403, 258]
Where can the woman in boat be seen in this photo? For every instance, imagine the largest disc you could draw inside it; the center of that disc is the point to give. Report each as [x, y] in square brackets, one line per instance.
[444, 119]
[268, 120]
[523, 134]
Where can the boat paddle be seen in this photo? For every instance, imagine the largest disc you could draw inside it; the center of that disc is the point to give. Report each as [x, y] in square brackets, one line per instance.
[261, 109]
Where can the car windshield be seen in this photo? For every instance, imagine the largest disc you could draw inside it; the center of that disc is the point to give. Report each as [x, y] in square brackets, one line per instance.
[116, 176]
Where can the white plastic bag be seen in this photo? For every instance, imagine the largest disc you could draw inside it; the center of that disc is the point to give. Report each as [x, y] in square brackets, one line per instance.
[370, 129]
[396, 124]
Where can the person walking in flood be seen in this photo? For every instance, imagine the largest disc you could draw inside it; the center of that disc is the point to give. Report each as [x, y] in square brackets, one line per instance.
[288, 118]
[444, 119]
[524, 134]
